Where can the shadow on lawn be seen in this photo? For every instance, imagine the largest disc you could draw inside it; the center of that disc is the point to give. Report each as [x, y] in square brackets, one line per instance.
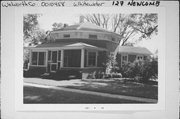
[128, 88]
[36, 95]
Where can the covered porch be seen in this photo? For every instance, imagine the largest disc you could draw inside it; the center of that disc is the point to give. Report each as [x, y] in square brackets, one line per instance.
[55, 56]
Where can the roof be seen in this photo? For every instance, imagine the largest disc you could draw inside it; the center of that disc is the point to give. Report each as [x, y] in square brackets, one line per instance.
[136, 50]
[82, 26]
[87, 26]
[69, 45]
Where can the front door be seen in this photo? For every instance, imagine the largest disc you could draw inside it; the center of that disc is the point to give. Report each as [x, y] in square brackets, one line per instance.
[54, 60]
[53, 63]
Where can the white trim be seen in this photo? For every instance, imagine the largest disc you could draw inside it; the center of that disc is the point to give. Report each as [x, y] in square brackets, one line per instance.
[132, 53]
[66, 48]
[38, 65]
[82, 58]
[51, 66]
[62, 58]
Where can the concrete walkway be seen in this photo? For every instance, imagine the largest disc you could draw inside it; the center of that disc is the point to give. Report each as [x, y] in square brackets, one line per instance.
[51, 84]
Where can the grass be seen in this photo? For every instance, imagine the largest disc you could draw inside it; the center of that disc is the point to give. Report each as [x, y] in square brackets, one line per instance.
[36, 95]
[128, 88]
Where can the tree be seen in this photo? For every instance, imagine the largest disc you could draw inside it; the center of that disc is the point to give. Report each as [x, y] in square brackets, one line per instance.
[57, 26]
[32, 33]
[128, 26]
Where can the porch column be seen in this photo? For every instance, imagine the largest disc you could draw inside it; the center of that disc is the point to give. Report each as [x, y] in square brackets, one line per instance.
[46, 60]
[96, 58]
[62, 58]
[82, 58]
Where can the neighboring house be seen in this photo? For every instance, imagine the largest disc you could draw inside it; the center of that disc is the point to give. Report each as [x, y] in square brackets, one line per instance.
[80, 47]
[130, 54]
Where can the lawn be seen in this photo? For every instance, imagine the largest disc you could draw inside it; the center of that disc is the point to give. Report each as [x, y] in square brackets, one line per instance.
[128, 88]
[39, 95]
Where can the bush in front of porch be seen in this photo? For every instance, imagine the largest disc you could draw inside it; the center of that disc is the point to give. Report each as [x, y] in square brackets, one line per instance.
[66, 74]
[34, 72]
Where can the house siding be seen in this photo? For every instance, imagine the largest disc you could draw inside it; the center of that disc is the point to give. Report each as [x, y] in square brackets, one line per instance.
[101, 59]
[118, 59]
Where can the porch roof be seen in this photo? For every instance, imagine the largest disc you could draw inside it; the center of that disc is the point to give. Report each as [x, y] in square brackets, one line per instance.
[60, 45]
[136, 50]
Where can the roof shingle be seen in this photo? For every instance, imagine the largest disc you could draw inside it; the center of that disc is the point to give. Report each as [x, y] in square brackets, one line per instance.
[136, 50]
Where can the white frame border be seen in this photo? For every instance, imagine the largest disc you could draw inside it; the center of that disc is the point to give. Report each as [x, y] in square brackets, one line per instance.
[19, 106]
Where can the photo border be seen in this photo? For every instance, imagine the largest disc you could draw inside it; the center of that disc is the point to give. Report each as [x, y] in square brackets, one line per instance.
[19, 106]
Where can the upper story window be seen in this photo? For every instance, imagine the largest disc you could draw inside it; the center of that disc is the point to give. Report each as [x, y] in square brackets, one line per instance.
[113, 39]
[66, 35]
[93, 36]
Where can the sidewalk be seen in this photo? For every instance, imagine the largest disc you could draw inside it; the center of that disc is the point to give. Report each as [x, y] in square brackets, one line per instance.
[57, 85]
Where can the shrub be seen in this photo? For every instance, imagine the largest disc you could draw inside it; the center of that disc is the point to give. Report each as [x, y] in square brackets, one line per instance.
[66, 74]
[34, 72]
[96, 75]
[144, 70]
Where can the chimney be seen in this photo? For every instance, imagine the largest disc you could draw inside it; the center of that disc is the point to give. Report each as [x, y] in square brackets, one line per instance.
[65, 25]
[81, 19]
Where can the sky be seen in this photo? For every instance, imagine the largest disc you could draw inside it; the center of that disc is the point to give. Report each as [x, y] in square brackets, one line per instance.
[46, 21]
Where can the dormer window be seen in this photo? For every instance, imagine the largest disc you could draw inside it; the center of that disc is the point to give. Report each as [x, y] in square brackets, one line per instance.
[66, 35]
[92, 36]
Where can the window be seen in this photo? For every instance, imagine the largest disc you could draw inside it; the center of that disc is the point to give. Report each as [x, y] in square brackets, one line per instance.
[139, 57]
[41, 58]
[59, 55]
[66, 35]
[124, 59]
[38, 58]
[145, 57]
[34, 58]
[91, 59]
[72, 58]
[54, 56]
[113, 39]
[49, 55]
[93, 36]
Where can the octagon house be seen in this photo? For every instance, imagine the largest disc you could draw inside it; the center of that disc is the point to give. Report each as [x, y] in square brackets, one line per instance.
[78, 48]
